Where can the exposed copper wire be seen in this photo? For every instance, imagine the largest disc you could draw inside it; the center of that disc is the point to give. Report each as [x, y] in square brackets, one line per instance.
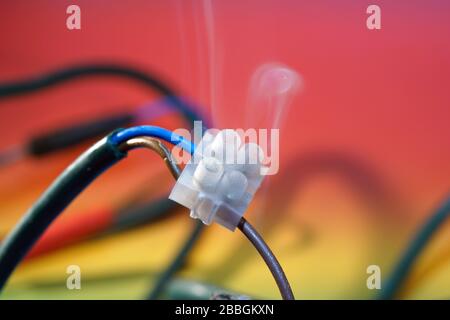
[155, 145]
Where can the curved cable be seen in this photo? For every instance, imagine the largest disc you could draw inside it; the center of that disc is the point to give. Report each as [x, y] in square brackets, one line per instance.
[97, 69]
[415, 248]
[81, 71]
[75, 179]
[269, 258]
[181, 256]
[54, 200]
[155, 145]
[152, 131]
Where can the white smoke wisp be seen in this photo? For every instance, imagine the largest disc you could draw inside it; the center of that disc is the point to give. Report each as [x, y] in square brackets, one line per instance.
[271, 91]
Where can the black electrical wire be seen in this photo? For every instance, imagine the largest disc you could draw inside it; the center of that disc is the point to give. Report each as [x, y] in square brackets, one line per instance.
[99, 69]
[75, 179]
[62, 138]
[60, 194]
[180, 258]
[69, 136]
[55, 199]
[42, 145]
[124, 219]
[60, 76]
[269, 258]
[422, 238]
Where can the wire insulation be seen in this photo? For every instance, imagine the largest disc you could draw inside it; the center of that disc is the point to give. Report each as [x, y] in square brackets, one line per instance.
[415, 248]
[98, 69]
[55, 199]
[269, 258]
[155, 145]
[69, 136]
[152, 131]
[180, 258]
[82, 172]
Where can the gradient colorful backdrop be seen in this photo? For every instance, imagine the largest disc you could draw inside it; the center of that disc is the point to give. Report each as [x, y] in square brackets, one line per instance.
[365, 147]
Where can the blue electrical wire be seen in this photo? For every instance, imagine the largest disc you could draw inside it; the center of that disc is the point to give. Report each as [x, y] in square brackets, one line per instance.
[155, 132]
[78, 176]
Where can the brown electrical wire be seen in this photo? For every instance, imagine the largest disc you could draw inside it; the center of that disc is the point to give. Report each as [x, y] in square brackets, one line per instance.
[181, 256]
[269, 258]
[155, 145]
[246, 228]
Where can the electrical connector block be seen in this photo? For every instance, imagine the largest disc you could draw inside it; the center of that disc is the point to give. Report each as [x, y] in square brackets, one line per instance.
[221, 178]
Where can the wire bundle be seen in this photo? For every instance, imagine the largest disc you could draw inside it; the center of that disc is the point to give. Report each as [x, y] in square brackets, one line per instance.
[81, 173]
[67, 137]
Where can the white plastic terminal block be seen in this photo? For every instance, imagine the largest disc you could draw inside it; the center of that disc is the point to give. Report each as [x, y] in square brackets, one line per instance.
[221, 178]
